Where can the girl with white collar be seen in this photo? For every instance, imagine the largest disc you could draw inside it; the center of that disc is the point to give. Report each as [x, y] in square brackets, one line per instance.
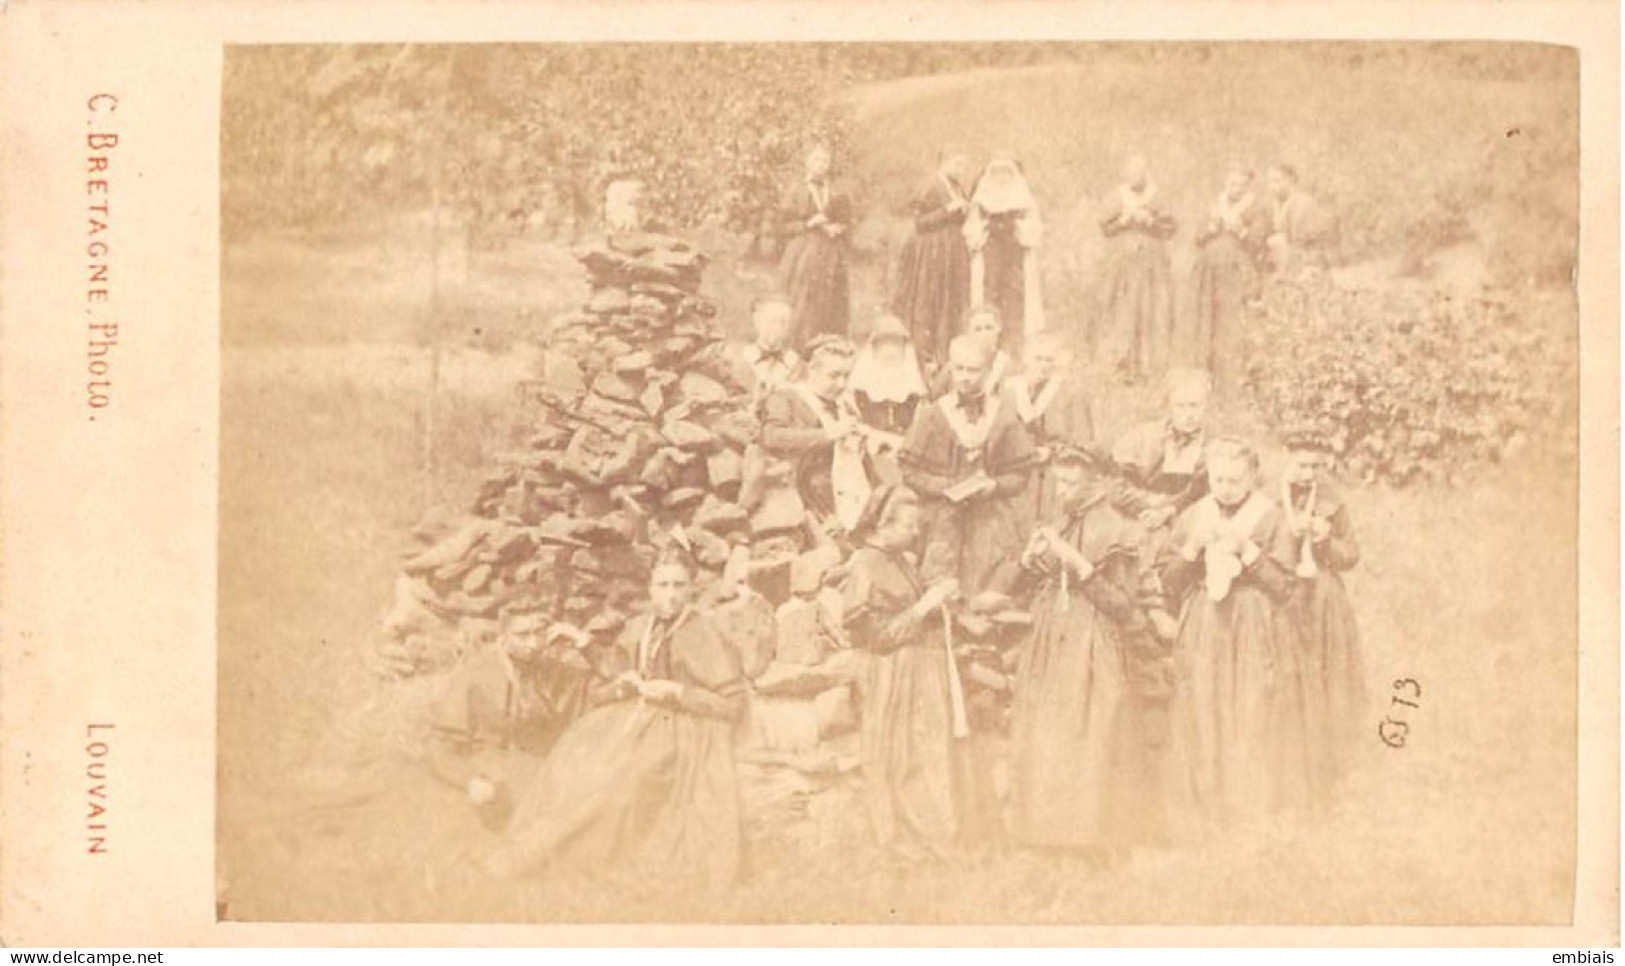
[1237, 729]
[1138, 294]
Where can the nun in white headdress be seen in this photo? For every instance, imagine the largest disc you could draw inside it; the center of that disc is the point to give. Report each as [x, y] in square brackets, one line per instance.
[1004, 231]
[887, 386]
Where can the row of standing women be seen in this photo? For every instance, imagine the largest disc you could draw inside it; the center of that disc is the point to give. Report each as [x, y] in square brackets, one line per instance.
[1193, 661]
[980, 245]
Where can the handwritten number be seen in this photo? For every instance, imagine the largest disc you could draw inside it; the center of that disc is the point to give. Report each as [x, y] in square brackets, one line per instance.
[1393, 733]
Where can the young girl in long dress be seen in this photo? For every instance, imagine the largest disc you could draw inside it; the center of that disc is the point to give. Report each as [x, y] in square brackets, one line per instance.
[933, 278]
[1229, 253]
[912, 717]
[1076, 761]
[645, 783]
[1320, 526]
[814, 219]
[1138, 304]
[1238, 742]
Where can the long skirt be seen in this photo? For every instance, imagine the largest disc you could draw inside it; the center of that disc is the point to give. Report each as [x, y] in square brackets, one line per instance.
[981, 541]
[1072, 755]
[632, 787]
[1137, 304]
[1004, 286]
[1334, 675]
[1237, 730]
[933, 289]
[909, 754]
[1209, 333]
[813, 273]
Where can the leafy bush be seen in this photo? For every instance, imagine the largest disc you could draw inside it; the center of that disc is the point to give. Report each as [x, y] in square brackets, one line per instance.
[502, 134]
[1413, 384]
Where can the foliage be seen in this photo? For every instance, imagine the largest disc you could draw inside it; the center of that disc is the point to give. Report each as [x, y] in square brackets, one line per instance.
[1528, 205]
[1520, 201]
[1412, 384]
[506, 137]
[501, 135]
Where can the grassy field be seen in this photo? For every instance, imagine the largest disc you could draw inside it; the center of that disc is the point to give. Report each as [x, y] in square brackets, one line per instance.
[1469, 591]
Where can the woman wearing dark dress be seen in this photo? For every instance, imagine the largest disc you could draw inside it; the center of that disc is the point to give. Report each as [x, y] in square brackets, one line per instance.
[913, 713]
[813, 221]
[970, 458]
[1334, 672]
[1229, 253]
[933, 278]
[1239, 742]
[1075, 762]
[644, 783]
[1137, 323]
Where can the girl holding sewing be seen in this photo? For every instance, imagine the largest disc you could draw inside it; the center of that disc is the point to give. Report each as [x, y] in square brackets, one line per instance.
[813, 221]
[645, 783]
[913, 714]
[1075, 762]
[812, 425]
[1229, 253]
[1321, 530]
[1138, 296]
[933, 278]
[1237, 748]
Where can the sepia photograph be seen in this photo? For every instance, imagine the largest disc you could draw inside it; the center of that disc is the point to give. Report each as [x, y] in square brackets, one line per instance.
[975, 483]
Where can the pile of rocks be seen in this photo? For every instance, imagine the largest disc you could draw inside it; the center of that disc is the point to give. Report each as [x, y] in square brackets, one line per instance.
[640, 436]
[636, 439]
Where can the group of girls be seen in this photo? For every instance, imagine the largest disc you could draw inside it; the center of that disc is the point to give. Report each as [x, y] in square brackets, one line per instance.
[1193, 661]
[977, 242]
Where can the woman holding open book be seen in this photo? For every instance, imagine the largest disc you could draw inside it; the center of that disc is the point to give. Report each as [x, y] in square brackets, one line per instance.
[969, 457]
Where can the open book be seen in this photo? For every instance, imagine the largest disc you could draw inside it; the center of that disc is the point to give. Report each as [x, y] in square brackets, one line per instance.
[974, 485]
